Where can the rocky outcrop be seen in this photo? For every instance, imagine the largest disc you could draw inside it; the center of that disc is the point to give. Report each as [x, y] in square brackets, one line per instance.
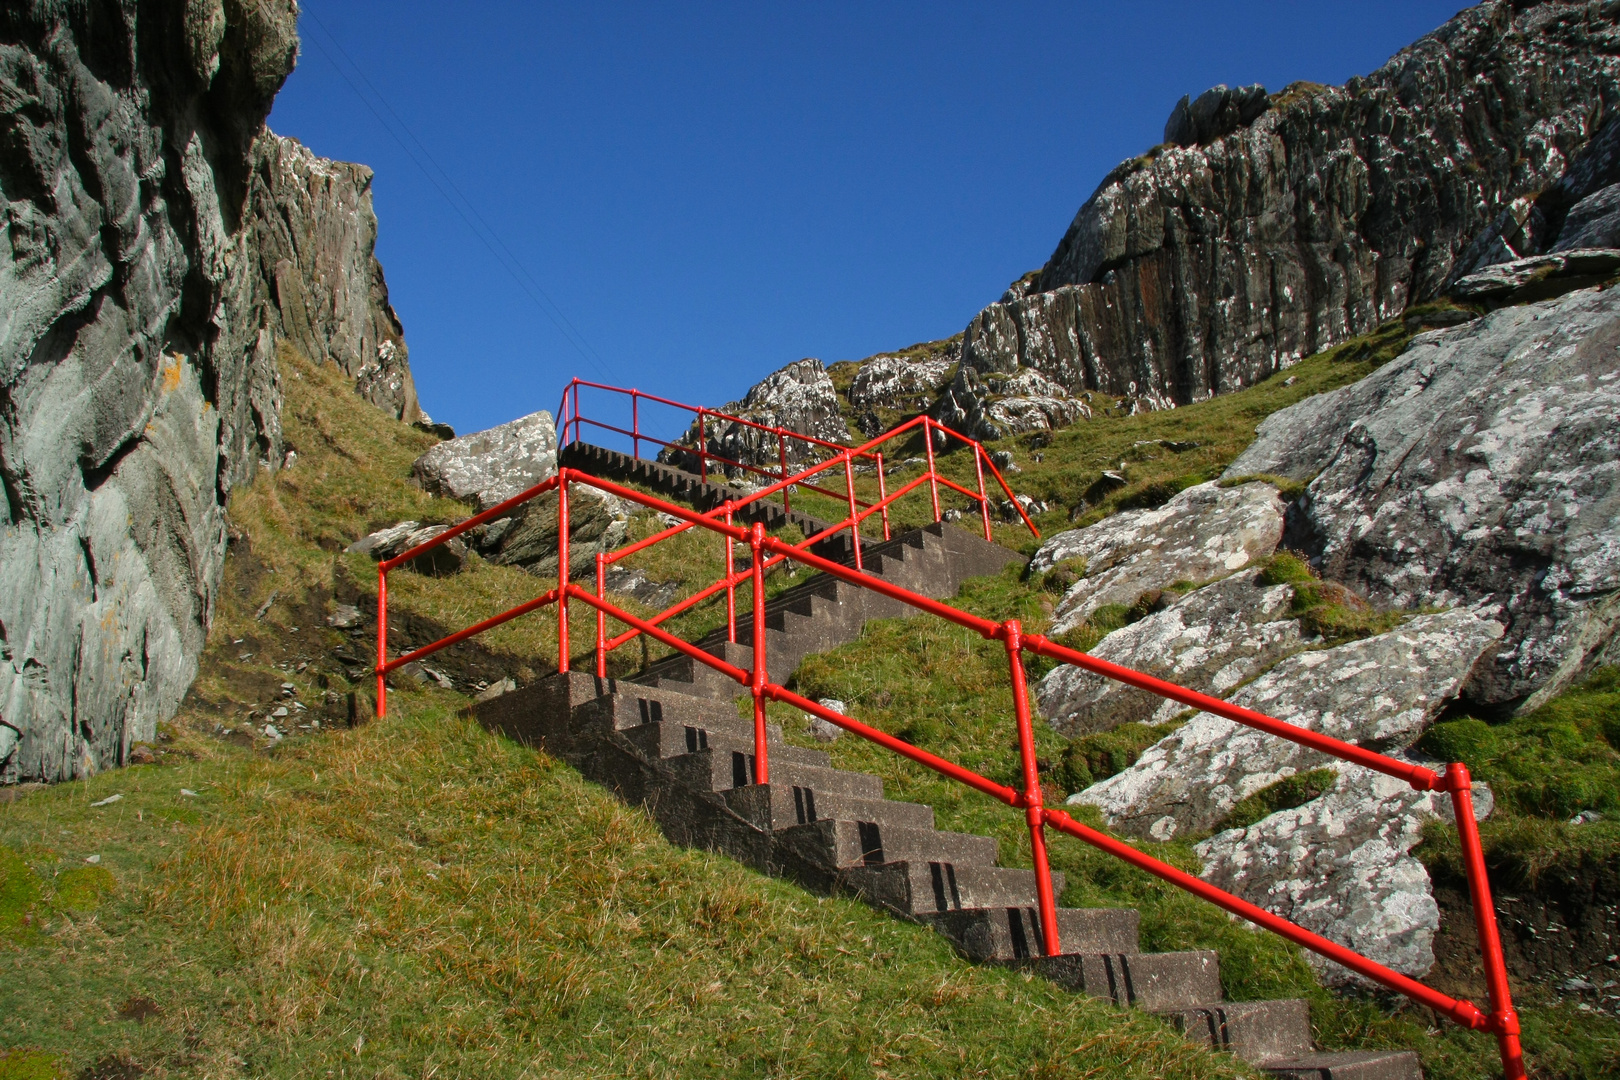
[136, 387]
[1210, 640]
[1381, 692]
[1203, 533]
[1199, 269]
[157, 237]
[996, 405]
[321, 288]
[1538, 277]
[1341, 865]
[489, 467]
[798, 398]
[899, 383]
[1484, 462]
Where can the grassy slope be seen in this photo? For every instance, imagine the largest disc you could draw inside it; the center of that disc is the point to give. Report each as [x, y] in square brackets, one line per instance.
[417, 897]
[292, 908]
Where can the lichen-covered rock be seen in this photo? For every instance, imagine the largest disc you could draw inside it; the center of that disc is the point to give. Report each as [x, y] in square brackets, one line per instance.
[798, 398]
[1197, 270]
[895, 382]
[489, 467]
[1559, 272]
[1204, 532]
[1210, 640]
[135, 387]
[1341, 865]
[996, 404]
[1380, 692]
[1482, 462]
[315, 239]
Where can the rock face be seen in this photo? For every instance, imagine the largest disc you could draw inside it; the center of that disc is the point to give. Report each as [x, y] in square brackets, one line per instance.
[996, 405]
[1210, 640]
[135, 388]
[139, 319]
[800, 398]
[1380, 692]
[489, 467]
[1341, 865]
[893, 382]
[1199, 269]
[1484, 462]
[315, 237]
[1204, 532]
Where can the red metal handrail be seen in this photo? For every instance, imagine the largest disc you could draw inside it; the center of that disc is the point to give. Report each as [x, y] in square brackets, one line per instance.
[765, 550]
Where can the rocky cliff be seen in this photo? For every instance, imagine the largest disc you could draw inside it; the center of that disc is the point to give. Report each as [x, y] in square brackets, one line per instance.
[318, 284]
[160, 244]
[1288, 223]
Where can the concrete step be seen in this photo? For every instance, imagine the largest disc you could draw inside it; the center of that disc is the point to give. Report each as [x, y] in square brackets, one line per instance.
[782, 806]
[1348, 1065]
[1256, 1031]
[1152, 981]
[668, 740]
[841, 844]
[722, 770]
[928, 888]
[1014, 933]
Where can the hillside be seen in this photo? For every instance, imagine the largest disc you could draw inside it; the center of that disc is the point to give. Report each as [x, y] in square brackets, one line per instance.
[418, 894]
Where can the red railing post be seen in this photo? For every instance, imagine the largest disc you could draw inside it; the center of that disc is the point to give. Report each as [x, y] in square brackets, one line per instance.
[933, 477]
[1012, 635]
[781, 456]
[883, 495]
[562, 570]
[984, 500]
[731, 586]
[382, 641]
[758, 678]
[601, 615]
[1504, 1021]
[703, 447]
[854, 512]
[635, 424]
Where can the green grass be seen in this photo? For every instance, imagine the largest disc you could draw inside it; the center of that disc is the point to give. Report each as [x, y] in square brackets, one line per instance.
[946, 690]
[419, 898]
[1544, 768]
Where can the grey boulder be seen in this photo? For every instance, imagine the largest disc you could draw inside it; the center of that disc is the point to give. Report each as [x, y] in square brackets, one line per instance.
[1537, 277]
[1341, 866]
[1484, 462]
[597, 522]
[395, 540]
[1210, 640]
[489, 467]
[1380, 692]
[1204, 532]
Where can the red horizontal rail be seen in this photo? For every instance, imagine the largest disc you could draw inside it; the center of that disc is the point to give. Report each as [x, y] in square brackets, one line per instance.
[1463, 1012]
[768, 551]
[1420, 778]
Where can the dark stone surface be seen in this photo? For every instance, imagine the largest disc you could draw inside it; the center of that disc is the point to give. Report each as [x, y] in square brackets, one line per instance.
[1202, 269]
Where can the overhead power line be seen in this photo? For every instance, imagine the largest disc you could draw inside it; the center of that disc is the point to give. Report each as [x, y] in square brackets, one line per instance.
[464, 207]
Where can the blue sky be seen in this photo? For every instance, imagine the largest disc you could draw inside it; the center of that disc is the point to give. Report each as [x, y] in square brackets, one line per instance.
[685, 197]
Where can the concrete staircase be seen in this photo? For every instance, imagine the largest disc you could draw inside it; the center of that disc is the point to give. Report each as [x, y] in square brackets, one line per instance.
[688, 759]
[825, 612]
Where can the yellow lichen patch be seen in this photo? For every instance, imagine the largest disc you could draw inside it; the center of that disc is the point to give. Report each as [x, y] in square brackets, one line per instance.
[172, 372]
